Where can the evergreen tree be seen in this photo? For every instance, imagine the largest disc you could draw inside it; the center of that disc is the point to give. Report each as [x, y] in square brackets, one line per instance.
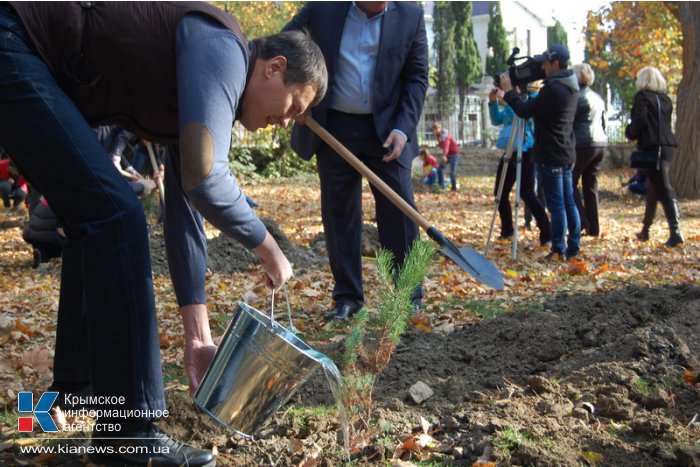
[467, 60]
[557, 35]
[497, 41]
[444, 45]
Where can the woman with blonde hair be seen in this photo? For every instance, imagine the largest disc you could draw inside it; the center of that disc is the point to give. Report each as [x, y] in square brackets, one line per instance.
[650, 126]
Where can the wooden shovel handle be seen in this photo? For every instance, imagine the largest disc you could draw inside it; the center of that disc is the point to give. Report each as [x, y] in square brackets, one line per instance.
[373, 178]
[154, 164]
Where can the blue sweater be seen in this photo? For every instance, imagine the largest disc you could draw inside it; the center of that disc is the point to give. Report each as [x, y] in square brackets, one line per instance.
[212, 66]
[504, 116]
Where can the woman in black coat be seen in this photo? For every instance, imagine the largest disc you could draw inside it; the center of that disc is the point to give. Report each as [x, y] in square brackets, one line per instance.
[650, 131]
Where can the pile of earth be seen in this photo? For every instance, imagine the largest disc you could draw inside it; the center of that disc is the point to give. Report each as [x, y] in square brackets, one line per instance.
[226, 255]
[578, 380]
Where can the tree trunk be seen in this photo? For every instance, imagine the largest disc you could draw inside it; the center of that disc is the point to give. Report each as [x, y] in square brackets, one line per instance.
[685, 170]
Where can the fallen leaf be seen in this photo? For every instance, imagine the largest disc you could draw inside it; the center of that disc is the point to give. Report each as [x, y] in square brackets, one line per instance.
[24, 329]
[689, 377]
[296, 445]
[38, 358]
[311, 292]
[577, 268]
[592, 457]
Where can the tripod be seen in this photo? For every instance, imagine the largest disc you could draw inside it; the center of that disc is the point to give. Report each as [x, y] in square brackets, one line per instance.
[516, 140]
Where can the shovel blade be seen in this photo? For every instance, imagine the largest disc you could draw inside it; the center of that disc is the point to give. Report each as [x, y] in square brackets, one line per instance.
[470, 260]
[476, 265]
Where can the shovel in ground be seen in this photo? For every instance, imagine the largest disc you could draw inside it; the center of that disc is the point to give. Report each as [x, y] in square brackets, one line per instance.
[468, 259]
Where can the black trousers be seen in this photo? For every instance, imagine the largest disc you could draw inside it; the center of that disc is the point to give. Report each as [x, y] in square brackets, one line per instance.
[527, 194]
[659, 186]
[341, 203]
[588, 162]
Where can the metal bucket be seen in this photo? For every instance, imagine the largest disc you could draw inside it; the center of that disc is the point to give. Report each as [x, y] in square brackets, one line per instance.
[257, 367]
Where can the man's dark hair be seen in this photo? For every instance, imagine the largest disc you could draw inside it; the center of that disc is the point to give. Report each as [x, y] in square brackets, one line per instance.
[305, 62]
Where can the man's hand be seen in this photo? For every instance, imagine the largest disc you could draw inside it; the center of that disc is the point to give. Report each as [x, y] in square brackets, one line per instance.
[160, 174]
[199, 346]
[506, 85]
[493, 95]
[395, 142]
[198, 357]
[275, 264]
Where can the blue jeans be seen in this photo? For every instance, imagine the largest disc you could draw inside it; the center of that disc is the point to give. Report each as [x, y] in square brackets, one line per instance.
[559, 194]
[452, 163]
[107, 333]
[430, 178]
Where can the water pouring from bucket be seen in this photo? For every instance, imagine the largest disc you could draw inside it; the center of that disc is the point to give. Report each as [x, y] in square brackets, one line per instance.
[258, 366]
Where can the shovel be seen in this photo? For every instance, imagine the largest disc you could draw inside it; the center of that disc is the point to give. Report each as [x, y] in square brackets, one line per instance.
[154, 164]
[468, 259]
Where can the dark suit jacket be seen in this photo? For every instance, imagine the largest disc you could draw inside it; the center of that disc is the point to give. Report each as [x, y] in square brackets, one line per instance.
[401, 74]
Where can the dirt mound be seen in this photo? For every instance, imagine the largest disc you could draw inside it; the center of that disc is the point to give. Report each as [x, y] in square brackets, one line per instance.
[594, 378]
[370, 242]
[226, 255]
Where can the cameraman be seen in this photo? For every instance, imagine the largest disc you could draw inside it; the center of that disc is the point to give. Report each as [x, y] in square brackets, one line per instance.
[553, 111]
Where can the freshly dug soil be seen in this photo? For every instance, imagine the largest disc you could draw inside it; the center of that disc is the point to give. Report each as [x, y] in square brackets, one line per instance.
[226, 255]
[588, 379]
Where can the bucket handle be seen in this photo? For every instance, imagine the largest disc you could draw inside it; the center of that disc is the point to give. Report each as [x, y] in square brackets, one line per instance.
[291, 327]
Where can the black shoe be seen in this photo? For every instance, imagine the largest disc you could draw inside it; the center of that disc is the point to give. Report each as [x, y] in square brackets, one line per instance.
[341, 311]
[673, 240]
[571, 255]
[148, 446]
[643, 235]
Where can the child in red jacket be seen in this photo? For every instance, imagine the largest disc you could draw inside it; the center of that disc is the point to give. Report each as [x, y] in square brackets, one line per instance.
[450, 155]
[430, 167]
[13, 187]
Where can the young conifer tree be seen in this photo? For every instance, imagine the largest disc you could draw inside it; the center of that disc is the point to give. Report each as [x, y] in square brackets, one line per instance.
[497, 41]
[467, 60]
[444, 45]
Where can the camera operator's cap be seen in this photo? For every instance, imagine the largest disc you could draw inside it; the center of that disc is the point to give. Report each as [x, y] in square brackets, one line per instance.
[555, 52]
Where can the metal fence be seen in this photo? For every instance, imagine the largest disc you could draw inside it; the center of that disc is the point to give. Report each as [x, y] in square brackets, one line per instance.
[471, 132]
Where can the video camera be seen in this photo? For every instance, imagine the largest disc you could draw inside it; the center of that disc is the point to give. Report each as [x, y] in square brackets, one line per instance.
[526, 72]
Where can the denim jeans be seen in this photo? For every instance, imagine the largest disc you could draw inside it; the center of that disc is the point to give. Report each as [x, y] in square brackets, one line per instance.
[559, 194]
[107, 333]
[430, 178]
[452, 163]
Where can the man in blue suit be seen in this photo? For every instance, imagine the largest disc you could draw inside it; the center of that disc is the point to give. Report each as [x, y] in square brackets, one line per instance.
[377, 59]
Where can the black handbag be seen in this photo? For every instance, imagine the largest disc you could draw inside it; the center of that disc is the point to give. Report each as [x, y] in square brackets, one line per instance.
[644, 158]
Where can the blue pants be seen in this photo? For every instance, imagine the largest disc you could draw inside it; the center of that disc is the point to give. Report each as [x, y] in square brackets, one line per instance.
[431, 178]
[559, 193]
[452, 163]
[107, 332]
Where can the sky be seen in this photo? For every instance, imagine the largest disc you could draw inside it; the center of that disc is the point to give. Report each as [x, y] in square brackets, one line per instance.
[572, 15]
